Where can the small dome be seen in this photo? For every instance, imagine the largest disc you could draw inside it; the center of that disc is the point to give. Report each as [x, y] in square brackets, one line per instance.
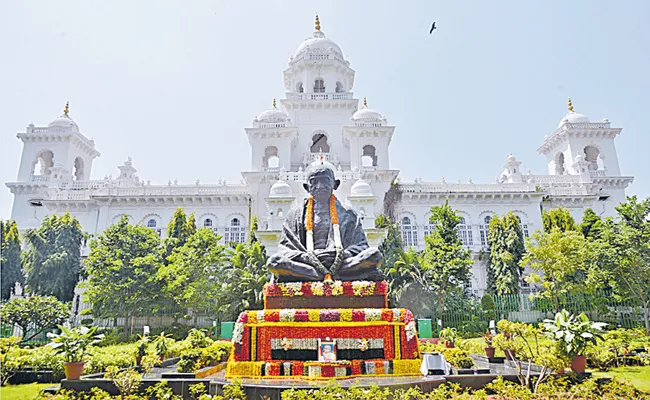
[573, 118]
[512, 158]
[280, 189]
[64, 121]
[367, 114]
[273, 115]
[361, 188]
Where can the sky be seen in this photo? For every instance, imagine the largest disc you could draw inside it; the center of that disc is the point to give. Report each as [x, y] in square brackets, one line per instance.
[172, 84]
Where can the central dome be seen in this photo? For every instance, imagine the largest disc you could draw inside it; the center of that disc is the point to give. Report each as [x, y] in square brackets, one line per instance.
[318, 43]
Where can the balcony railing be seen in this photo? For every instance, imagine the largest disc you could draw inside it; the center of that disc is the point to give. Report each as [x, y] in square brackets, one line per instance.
[319, 96]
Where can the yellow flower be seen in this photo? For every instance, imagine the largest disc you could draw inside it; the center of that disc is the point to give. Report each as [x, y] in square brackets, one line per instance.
[252, 317]
[314, 315]
[346, 314]
[337, 288]
[317, 289]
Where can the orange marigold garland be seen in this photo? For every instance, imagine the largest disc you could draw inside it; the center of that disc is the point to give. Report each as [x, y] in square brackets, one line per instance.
[338, 259]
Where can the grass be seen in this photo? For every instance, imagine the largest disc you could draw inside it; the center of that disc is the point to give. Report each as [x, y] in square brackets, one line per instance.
[29, 391]
[638, 376]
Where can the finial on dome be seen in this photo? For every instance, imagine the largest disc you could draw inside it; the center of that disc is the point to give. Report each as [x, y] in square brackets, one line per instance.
[317, 23]
[66, 109]
[570, 105]
[365, 102]
[274, 102]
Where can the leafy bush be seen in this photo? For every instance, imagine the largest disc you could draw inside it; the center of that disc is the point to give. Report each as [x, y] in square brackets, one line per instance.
[176, 331]
[101, 358]
[575, 332]
[194, 359]
[457, 357]
[34, 314]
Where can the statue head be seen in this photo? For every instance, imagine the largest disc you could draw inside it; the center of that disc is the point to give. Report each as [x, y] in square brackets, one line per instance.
[321, 182]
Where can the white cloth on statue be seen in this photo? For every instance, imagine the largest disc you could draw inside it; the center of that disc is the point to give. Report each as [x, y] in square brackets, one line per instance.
[434, 361]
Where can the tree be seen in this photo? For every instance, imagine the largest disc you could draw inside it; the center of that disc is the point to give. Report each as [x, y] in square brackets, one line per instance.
[591, 224]
[11, 269]
[628, 247]
[180, 227]
[558, 218]
[34, 314]
[506, 242]
[122, 267]
[53, 258]
[192, 277]
[444, 266]
[392, 251]
[242, 281]
[558, 256]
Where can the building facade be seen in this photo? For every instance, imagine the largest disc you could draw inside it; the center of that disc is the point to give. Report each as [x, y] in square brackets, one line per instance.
[318, 118]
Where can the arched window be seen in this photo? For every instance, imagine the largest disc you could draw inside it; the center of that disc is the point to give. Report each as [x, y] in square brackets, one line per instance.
[207, 223]
[319, 143]
[339, 87]
[465, 232]
[271, 159]
[235, 233]
[299, 88]
[524, 226]
[591, 156]
[153, 224]
[44, 162]
[560, 169]
[319, 85]
[409, 233]
[78, 169]
[371, 152]
[483, 230]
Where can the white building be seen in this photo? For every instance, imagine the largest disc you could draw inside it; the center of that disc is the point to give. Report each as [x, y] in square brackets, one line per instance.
[318, 117]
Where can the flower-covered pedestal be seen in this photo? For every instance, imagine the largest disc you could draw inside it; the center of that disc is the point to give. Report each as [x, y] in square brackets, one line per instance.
[284, 342]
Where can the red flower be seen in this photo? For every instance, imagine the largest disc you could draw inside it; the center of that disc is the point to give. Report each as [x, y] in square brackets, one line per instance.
[387, 315]
[327, 289]
[301, 316]
[330, 315]
[381, 287]
[296, 368]
[327, 371]
[306, 289]
[408, 316]
[272, 316]
[275, 368]
[243, 317]
[358, 316]
[347, 289]
[356, 367]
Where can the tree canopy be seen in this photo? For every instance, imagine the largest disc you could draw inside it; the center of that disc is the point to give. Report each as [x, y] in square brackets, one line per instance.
[53, 258]
[559, 218]
[506, 248]
[10, 251]
[34, 314]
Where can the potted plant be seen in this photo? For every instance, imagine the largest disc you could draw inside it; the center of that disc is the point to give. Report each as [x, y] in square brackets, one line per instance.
[449, 335]
[141, 348]
[489, 343]
[507, 339]
[162, 343]
[73, 345]
[575, 334]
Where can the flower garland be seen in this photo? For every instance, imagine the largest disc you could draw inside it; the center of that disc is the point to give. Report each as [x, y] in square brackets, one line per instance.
[318, 289]
[338, 259]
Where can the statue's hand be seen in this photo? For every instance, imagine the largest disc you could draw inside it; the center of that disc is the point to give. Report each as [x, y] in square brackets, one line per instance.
[326, 256]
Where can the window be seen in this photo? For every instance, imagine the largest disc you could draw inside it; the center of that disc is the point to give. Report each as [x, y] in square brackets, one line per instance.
[153, 224]
[235, 233]
[44, 161]
[319, 143]
[299, 88]
[483, 230]
[319, 86]
[428, 227]
[370, 152]
[559, 164]
[271, 159]
[207, 223]
[409, 233]
[465, 232]
[524, 227]
[78, 169]
[591, 156]
[339, 87]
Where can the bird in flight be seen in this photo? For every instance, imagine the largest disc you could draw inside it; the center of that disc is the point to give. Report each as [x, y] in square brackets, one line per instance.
[432, 28]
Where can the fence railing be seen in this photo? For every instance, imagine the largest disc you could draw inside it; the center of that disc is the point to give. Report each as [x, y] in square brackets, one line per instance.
[600, 306]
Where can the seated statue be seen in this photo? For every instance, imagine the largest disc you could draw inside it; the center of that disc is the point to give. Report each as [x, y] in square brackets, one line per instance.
[321, 239]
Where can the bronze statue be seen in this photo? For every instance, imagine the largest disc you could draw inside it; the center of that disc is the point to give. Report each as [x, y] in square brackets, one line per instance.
[321, 239]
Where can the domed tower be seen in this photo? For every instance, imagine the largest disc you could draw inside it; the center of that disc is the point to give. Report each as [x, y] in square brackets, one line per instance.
[271, 139]
[368, 135]
[318, 83]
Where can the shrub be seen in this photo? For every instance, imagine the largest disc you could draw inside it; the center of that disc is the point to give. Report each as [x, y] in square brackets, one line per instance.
[194, 359]
[489, 307]
[457, 357]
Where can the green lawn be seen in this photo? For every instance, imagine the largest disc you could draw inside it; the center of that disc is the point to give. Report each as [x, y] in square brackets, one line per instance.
[638, 376]
[28, 391]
